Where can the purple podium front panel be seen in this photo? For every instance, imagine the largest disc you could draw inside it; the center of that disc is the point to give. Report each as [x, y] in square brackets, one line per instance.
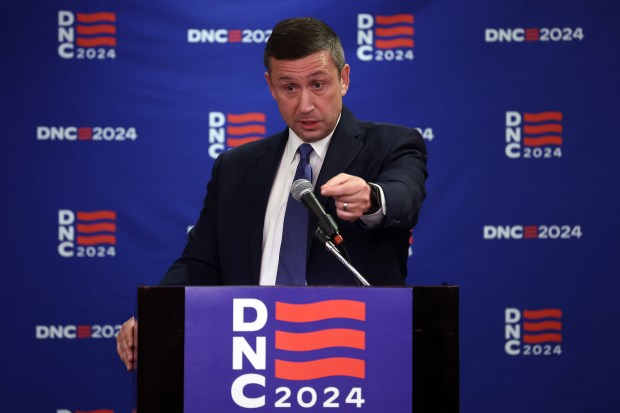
[286, 349]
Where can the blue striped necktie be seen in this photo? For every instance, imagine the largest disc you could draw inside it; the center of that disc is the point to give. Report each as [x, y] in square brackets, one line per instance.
[292, 261]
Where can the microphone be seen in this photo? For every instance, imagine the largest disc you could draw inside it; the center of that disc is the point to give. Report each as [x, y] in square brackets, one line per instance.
[302, 191]
[327, 231]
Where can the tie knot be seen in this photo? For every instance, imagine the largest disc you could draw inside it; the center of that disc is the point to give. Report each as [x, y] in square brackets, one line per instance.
[305, 149]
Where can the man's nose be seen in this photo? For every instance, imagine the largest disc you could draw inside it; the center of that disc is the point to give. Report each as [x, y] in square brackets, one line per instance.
[307, 101]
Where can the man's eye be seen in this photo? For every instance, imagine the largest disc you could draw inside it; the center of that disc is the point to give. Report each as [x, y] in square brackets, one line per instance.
[289, 88]
[318, 85]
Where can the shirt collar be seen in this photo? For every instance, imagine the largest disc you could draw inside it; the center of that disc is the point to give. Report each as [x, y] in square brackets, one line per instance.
[320, 146]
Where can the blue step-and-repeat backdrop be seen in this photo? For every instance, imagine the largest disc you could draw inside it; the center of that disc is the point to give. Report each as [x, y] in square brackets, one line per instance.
[114, 111]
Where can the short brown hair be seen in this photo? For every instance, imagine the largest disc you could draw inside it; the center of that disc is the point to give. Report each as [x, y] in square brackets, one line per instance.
[300, 37]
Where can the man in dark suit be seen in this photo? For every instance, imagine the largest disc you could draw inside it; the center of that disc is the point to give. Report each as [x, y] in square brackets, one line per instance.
[369, 176]
[226, 245]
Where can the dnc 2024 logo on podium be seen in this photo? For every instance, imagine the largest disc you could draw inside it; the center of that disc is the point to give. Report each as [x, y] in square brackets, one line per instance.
[287, 348]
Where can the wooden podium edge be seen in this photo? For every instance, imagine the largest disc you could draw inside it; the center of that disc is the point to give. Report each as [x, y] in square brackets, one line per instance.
[436, 349]
[167, 316]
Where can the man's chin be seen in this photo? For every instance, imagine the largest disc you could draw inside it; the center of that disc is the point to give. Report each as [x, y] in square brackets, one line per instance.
[312, 135]
[311, 138]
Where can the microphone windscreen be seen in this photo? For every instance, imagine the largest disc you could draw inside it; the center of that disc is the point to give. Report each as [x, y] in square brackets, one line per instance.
[300, 187]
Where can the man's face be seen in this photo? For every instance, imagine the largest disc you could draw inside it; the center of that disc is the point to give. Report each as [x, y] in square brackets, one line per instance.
[309, 93]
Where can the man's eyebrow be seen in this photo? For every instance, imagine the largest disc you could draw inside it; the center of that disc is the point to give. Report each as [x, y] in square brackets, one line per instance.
[312, 75]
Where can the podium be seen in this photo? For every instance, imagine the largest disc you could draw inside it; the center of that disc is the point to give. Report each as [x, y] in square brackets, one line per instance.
[290, 349]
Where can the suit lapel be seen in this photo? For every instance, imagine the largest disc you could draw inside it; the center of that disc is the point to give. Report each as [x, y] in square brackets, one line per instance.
[260, 187]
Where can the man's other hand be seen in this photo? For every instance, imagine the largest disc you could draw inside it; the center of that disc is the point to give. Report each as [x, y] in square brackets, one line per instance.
[127, 344]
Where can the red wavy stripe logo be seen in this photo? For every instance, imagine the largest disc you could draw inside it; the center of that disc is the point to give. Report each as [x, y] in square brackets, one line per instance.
[234, 35]
[96, 240]
[96, 215]
[85, 133]
[542, 141]
[316, 340]
[96, 17]
[318, 369]
[234, 142]
[394, 31]
[543, 117]
[322, 310]
[236, 129]
[98, 29]
[545, 313]
[532, 34]
[393, 44]
[537, 130]
[542, 326]
[96, 41]
[245, 130]
[542, 338]
[92, 228]
[246, 117]
[83, 331]
[395, 18]
[530, 231]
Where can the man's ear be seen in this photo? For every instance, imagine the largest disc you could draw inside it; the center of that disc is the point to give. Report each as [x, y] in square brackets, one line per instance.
[271, 89]
[345, 79]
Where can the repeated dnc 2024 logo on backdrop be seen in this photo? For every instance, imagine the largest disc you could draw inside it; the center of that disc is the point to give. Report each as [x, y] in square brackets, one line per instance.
[86, 234]
[534, 135]
[533, 34]
[531, 232]
[86, 134]
[90, 36]
[229, 130]
[227, 36]
[385, 37]
[76, 331]
[533, 332]
[378, 37]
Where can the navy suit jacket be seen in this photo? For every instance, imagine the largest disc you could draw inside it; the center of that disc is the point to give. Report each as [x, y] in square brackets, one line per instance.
[225, 245]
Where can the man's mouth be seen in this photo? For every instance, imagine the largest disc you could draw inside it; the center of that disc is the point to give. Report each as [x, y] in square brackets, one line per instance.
[308, 123]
